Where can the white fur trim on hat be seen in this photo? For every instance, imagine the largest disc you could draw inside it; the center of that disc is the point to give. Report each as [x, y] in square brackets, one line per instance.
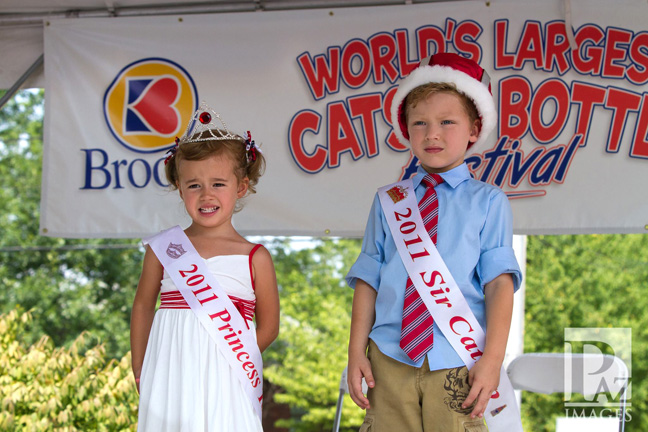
[466, 84]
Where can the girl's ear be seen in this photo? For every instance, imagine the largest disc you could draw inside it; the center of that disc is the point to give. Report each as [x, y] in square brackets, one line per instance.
[179, 190]
[243, 187]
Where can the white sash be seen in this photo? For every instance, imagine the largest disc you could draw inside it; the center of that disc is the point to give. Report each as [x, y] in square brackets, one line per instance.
[442, 296]
[214, 309]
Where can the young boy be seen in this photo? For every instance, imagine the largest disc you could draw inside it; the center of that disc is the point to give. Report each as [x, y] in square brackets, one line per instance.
[440, 110]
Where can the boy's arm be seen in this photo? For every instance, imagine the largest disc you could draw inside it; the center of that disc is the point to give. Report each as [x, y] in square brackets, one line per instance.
[363, 315]
[484, 375]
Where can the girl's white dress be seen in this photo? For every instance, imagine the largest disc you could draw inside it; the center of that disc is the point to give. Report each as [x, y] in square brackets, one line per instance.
[186, 384]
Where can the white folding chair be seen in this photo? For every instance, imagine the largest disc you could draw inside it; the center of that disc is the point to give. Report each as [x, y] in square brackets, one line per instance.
[571, 373]
[344, 388]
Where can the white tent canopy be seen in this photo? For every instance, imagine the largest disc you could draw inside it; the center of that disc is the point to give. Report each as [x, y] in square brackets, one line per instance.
[21, 23]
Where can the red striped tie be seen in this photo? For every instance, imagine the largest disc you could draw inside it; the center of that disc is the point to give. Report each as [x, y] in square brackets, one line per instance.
[416, 330]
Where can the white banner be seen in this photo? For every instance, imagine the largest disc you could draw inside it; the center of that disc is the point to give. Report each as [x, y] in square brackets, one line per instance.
[314, 88]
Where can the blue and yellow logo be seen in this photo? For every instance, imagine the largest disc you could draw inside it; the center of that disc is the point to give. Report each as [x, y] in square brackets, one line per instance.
[149, 103]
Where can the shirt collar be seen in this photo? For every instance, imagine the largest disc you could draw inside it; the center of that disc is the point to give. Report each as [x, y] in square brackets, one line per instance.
[453, 177]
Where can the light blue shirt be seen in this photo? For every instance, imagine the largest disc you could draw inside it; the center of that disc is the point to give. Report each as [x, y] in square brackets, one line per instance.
[474, 237]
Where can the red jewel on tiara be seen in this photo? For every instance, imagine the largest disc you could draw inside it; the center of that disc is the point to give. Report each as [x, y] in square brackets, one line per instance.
[205, 117]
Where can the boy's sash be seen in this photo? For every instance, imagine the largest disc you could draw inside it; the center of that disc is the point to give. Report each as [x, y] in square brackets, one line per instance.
[442, 296]
[212, 306]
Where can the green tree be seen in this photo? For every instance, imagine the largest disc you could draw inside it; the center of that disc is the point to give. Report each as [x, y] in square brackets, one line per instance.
[71, 285]
[307, 360]
[586, 281]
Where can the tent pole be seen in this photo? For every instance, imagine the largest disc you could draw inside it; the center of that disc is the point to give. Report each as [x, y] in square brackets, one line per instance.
[14, 88]
[515, 345]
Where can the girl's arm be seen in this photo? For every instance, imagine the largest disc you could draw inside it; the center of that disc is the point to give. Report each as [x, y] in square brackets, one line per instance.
[363, 315]
[484, 375]
[143, 311]
[267, 295]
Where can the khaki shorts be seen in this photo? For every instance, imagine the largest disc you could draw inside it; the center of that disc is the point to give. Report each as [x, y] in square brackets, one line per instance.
[410, 399]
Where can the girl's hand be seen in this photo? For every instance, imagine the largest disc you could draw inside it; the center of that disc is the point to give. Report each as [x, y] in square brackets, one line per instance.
[483, 379]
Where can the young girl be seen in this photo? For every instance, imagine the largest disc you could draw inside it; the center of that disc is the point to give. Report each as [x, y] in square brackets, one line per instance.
[182, 374]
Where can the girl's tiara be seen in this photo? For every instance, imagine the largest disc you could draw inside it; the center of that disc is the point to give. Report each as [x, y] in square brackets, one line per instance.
[207, 125]
[207, 120]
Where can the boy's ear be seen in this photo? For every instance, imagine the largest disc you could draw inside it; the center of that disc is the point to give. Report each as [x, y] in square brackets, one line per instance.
[474, 131]
[243, 187]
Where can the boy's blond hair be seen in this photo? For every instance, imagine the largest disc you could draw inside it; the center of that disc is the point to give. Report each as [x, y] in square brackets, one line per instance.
[424, 91]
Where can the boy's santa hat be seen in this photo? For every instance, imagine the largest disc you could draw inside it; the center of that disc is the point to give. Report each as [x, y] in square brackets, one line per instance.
[469, 78]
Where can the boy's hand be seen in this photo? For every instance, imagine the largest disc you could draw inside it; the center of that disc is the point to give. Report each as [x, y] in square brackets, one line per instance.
[484, 375]
[363, 315]
[484, 379]
[358, 368]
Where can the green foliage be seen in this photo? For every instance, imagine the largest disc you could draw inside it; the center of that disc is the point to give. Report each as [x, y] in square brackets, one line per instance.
[586, 281]
[44, 388]
[71, 285]
[308, 358]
